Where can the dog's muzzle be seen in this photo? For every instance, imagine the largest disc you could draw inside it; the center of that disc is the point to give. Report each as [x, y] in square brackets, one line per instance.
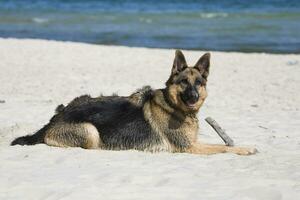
[190, 97]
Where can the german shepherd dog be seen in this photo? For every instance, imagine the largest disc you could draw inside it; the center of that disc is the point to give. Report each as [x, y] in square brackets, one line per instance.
[148, 120]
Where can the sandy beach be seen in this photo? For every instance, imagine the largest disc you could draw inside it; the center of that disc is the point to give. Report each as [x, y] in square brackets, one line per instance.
[254, 96]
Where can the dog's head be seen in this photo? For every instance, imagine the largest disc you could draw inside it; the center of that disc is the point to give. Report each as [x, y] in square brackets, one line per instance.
[187, 85]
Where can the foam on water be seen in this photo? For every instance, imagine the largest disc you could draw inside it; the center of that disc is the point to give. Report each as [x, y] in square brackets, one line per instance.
[213, 15]
[39, 20]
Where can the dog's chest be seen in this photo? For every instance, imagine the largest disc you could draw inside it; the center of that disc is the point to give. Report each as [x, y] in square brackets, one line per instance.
[176, 132]
[189, 128]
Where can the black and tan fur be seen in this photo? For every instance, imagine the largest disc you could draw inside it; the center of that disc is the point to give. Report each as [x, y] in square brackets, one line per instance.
[148, 120]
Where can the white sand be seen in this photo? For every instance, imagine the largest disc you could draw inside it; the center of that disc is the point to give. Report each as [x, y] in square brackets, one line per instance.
[255, 97]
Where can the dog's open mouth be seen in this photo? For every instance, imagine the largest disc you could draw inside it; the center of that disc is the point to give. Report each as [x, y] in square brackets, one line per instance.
[191, 103]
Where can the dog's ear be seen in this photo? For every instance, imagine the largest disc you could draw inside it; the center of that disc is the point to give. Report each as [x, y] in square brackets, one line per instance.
[203, 65]
[179, 62]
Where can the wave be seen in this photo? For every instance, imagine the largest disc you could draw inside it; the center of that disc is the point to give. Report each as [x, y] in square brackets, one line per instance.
[213, 15]
[39, 20]
[145, 20]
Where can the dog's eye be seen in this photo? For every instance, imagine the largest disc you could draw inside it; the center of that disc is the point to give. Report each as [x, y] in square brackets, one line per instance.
[184, 81]
[198, 82]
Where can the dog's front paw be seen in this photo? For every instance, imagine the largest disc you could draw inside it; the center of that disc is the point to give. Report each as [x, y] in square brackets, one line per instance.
[247, 151]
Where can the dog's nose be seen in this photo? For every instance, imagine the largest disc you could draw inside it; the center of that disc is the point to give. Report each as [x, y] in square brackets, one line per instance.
[194, 95]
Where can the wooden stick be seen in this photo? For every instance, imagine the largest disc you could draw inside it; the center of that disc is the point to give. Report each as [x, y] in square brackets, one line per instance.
[228, 141]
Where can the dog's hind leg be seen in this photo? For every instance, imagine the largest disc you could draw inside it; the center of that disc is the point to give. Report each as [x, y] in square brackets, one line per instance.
[84, 135]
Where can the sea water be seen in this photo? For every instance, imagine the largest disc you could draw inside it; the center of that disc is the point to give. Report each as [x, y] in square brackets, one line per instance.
[225, 25]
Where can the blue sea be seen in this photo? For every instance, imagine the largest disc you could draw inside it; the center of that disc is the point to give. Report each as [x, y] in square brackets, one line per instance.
[226, 25]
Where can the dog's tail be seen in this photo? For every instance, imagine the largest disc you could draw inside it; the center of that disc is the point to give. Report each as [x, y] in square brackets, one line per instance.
[36, 138]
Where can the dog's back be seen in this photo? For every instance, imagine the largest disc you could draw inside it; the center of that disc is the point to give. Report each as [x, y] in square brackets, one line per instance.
[114, 122]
